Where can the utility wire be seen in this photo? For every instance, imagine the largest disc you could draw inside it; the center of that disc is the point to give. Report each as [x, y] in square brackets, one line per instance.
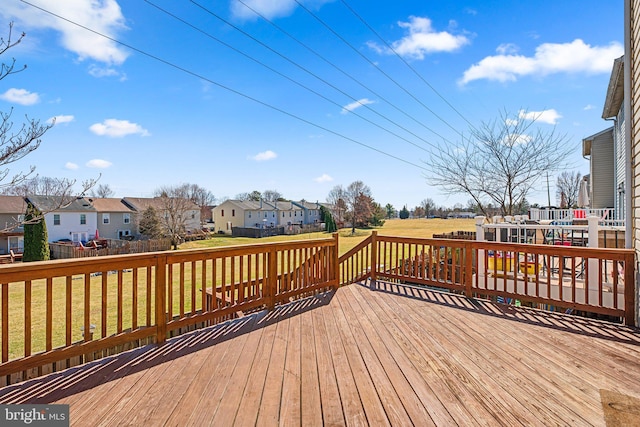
[405, 62]
[355, 80]
[220, 85]
[405, 90]
[296, 82]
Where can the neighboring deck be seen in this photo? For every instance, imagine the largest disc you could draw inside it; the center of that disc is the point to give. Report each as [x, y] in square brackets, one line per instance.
[399, 356]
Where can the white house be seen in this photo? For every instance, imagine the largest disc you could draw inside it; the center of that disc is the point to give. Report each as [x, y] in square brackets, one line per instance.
[76, 221]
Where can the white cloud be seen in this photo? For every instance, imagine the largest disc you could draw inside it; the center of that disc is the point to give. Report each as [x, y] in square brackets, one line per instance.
[323, 178]
[507, 49]
[549, 58]
[104, 16]
[61, 119]
[268, 8]
[71, 166]
[516, 139]
[422, 40]
[264, 156]
[588, 107]
[20, 96]
[511, 122]
[100, 72]
[98, 164]
[356, 104]
[546, 116]
[118, 128]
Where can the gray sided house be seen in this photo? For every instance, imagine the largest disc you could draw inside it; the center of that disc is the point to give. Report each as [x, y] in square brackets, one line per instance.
[311, 211]
[190, 214]
[614, 109]
[599, 149]
[76, 221]
[12, 210]
[115, 219]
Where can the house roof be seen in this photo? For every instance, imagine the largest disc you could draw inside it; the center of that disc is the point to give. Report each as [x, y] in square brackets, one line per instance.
[109, 205]
[588, 141]
[52, 203]
[12, 205]
[615, 91]
[250, 205]
[142, 203]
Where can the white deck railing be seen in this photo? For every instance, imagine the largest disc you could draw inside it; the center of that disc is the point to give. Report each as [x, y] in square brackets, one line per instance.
[606, 216]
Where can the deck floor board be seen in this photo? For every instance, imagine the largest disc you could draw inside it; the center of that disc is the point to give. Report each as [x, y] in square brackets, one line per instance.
[396, 355]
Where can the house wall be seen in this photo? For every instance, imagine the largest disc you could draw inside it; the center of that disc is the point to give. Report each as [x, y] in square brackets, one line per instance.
[70, 223]
[224, 222]
[632, 89]
[116, 224]
[602, 173]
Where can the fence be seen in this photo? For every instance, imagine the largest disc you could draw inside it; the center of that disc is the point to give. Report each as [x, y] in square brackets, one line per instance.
[606, 215]
[113, 247]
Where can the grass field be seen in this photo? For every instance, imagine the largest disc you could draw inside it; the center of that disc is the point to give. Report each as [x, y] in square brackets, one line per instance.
[424, 228]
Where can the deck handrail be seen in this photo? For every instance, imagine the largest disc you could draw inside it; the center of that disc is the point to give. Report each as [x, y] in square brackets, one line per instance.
[59, 313]
[56, 314]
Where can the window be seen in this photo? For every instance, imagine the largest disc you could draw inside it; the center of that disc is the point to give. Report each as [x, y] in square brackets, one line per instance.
[16, 243]
[56, 219]
[233, 212]
[83, 219]
[106, 219]
[222, 212]
[79, 237]
[123, 233]
[249, 214]
[126, 218]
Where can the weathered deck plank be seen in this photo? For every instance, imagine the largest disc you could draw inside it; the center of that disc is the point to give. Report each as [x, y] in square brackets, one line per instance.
[396, 356]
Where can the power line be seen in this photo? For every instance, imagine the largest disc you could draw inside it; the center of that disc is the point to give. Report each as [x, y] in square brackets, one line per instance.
[405, 62]
[355, 80]
[327, 26]
[220, 85]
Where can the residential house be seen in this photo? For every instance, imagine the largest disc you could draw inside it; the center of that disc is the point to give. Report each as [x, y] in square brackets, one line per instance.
[244, 213]
[76, 221]
[12, 210]
[190, 212]
[311, 211]
[599, 149]
[289, 213]
[614, 110]
[115, 219]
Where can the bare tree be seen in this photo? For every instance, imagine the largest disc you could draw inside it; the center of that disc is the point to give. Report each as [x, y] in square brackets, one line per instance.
[17, 141]
[103, 191]
[200, 195]
[568, 186]
[427, 204]
[358, 199]
[175, 208]
[271, 195]
[255, 196]
[501, 162]
[336, 198]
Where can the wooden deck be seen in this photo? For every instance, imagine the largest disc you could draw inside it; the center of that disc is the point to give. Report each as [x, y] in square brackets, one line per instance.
[394, 356]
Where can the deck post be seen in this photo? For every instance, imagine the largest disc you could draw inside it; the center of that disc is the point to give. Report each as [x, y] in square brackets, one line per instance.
[161, 298]
[480, 238]
[592, 264]
[272, 278]
[335, 263]
[374, 259]
[468, 269]
[630, 291]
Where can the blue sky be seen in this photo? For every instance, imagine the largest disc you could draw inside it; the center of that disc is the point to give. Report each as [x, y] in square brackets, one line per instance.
[304, 97]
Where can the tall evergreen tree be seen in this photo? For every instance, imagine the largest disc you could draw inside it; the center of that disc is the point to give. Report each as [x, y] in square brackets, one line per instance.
[149, 225]
[36, 245]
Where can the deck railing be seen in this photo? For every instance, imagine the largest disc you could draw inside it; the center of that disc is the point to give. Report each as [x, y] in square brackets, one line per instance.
[555, 277]
[57, 314]
[61, 313]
